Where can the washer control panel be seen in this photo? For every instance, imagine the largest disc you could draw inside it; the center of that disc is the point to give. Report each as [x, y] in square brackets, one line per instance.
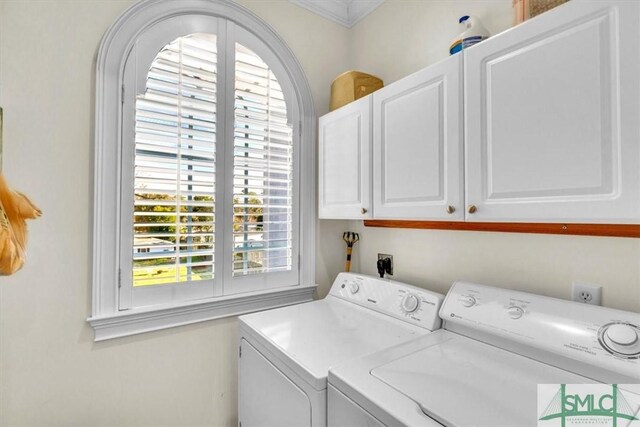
[598, 336]
[405, 302]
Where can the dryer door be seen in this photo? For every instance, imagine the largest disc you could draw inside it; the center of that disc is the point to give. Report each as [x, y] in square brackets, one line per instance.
[266, 397]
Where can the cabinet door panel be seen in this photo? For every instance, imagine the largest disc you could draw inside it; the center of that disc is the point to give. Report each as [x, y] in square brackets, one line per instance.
[344, 162]
[552, 118]
[418, 145]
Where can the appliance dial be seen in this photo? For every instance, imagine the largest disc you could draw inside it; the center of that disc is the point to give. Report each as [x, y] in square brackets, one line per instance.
[468, 301]
[410, 303]
[620, 339]
[622, 334]
[515, 312]
[354, 287]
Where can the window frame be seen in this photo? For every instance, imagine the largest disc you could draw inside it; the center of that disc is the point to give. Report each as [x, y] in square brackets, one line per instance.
[106, 318]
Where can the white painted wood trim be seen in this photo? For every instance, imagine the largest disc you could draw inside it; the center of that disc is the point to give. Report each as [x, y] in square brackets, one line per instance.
[131, 322]
[333, 10]
[343, 12]
[114, 49]
[359, 9]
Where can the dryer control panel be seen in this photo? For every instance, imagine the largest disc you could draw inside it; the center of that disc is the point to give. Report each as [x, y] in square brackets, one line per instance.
[409, 303]
[594, 338]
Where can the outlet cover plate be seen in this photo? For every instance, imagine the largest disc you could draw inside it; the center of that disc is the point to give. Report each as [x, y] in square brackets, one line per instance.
[587, 293]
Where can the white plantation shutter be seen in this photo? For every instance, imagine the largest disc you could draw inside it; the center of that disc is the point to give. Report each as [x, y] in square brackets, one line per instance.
[262, 170]
[175, 165]
[209, 201]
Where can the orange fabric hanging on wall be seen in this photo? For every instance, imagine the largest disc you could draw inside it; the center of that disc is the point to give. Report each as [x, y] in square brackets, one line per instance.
[15, 208]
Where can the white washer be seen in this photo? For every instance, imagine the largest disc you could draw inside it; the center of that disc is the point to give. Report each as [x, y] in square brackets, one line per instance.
[483, 367]
[285, 354]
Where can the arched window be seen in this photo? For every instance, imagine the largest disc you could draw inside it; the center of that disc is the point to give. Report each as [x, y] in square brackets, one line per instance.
[212, 148]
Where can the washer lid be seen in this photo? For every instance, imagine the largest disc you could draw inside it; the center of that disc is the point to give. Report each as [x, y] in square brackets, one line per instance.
[310, 338]
[462, 382]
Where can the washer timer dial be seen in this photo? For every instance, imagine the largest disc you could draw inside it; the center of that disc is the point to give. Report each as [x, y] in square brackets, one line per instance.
[410, 303]
[622, 334]
[620, 339]
[468, 301]
[515, 312]
[354, 287]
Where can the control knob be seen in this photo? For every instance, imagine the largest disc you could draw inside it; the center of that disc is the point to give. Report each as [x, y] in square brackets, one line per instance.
[410, 303]
[468, 301]
[515, 312]
[620, 339]
[354, 288]
[621, 334]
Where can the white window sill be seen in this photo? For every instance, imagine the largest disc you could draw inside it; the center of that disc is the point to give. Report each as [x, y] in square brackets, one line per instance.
[131, 322]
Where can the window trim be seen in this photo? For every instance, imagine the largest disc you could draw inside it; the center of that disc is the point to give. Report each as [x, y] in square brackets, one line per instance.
[131, 322]
[106, 318]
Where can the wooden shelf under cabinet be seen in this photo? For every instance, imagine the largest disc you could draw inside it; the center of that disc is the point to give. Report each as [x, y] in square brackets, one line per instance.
[611, 230]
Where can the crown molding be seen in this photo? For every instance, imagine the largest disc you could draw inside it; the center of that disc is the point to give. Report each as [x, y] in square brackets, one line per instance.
[358, 9]
[343, 12]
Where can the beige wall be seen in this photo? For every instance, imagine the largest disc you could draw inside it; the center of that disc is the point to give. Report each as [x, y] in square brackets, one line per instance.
[543, 264]
[51, 373]
[401, 37]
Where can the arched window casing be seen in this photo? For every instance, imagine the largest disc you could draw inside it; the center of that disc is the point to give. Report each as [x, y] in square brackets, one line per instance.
[204, 169]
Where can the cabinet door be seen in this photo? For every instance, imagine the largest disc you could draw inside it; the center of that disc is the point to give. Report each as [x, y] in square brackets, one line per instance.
[552, 118]
[417, 145]
[345, 162]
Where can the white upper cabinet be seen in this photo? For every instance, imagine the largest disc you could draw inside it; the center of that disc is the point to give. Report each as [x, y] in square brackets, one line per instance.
[418, 145]
[552, 110]
[345, 162]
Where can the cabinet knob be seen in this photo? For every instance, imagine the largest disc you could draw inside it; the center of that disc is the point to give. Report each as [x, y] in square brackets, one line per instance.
[364, 210]
[472, 209]
[450, 209]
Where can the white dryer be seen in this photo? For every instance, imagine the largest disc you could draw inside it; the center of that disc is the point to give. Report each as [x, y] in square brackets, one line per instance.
[483, 368]
[285, 353]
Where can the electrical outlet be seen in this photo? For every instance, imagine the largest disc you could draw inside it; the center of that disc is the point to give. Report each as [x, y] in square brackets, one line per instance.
[383, 256]
[586, 293]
